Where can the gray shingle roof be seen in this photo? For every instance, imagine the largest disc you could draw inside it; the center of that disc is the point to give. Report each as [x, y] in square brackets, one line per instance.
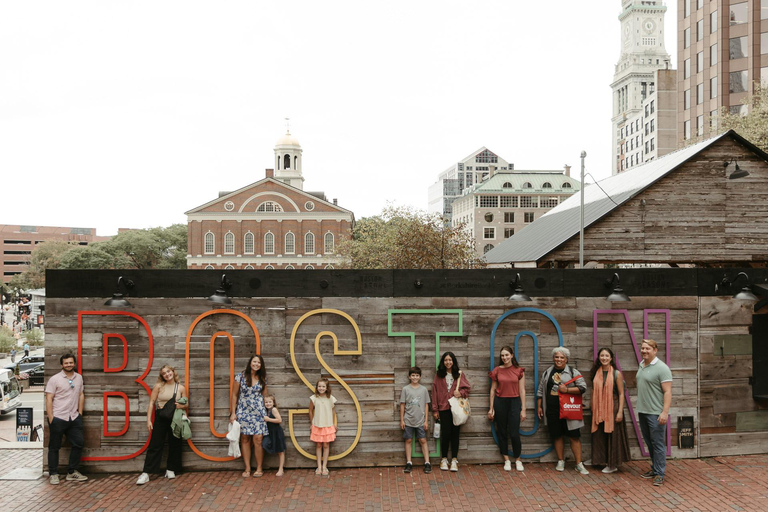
[561, 223]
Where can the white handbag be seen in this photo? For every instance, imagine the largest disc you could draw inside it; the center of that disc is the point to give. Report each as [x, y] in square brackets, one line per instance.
[460, 409]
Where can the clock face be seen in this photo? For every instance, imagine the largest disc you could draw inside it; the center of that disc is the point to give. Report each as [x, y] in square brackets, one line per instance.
[649, 25]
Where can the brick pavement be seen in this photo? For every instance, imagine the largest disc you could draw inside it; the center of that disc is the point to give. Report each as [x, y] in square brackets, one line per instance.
[717, 484]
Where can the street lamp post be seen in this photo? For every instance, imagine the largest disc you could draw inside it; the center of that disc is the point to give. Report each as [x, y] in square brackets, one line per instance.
[581, 212]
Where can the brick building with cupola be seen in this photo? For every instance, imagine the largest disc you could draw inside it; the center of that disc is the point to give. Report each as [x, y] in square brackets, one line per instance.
[270, 224]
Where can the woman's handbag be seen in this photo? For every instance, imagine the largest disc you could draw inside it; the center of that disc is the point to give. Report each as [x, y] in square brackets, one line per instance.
[571, 406]
[166, 413]
[460, 409]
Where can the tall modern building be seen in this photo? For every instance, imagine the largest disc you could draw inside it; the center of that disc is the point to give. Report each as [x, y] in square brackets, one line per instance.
[635, 80]
[462, 175]
[722, 51]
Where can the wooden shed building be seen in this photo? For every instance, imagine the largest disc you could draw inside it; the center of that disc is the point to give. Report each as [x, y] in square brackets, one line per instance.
[705, 205]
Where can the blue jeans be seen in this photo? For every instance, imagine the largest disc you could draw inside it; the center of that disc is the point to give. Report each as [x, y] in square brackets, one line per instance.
[73, 429]
[655, 437]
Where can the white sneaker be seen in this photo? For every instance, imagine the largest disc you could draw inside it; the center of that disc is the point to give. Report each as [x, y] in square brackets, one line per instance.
[560, 465]
[455, 465]
[581, 469]
[519, 465]
[143, 479]
[76, 476]
[170, 475]
[444, 465]
[608, 469]
[507, 465]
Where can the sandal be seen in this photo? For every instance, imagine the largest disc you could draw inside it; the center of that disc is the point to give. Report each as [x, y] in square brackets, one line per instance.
[325, 472]
[246, 474]
[318, 471]
[257, 474]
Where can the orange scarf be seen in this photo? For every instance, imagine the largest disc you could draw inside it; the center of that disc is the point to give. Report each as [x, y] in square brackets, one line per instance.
[602, 401]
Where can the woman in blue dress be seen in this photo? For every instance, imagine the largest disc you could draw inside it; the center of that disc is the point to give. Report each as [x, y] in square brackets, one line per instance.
[247, 407]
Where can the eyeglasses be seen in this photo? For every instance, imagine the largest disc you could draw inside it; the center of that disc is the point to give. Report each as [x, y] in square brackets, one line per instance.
[71, 383]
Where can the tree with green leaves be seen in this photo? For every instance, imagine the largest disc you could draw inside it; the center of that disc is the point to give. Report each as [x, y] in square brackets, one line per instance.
[404, 237]
[754, 125]
[160, 248]
[45, 255]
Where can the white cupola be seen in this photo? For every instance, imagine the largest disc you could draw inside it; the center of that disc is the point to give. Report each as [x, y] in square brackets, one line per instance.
[288, 164]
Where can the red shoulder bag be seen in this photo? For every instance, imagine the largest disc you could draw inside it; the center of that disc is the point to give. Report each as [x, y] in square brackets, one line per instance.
[571, 406]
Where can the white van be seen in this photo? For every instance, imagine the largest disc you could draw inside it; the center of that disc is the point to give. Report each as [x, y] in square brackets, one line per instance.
[10, 391]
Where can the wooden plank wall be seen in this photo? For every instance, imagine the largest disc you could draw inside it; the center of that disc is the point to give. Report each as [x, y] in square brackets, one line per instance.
[376, 375]
[726, 392]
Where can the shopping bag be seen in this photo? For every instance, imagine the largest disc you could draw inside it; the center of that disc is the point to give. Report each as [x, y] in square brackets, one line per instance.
[571, 406]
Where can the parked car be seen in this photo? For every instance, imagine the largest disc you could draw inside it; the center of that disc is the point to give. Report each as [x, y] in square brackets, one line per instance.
[10, 391]
[29, 363]
[33, 366]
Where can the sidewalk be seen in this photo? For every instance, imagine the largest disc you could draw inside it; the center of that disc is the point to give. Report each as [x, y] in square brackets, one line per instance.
[724, 483]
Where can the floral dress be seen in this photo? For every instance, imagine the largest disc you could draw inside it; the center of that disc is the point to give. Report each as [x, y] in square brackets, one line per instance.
[250, 411]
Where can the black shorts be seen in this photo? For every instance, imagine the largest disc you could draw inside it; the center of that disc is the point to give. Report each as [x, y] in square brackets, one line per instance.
[559, 428]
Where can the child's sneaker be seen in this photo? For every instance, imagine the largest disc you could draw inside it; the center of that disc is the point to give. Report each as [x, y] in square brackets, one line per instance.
[408, 467]
[519, 465]
[444, 465]
[455, 465]
[427, 467]
[507, 465]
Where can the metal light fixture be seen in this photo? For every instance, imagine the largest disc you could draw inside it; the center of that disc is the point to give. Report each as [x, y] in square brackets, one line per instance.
[117, 300]
[220, 295]
[519, 294]
[418, 284]
[617, 295]
[743, 294]
[738, 172]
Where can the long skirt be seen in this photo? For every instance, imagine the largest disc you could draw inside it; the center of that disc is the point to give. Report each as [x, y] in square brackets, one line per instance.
[610, 449]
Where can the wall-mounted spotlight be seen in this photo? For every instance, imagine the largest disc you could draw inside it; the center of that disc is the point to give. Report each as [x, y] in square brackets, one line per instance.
[418, 284]
[617, 295]
[220, 295]
[117, 300]
[738, 172]
[519, 294]
[743, 294]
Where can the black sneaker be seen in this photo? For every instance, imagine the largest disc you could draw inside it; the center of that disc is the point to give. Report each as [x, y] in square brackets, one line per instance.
[648, 474]
[408, 467]
[427, 467]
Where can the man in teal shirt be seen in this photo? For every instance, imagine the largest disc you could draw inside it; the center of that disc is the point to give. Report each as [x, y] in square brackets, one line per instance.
[654, 397]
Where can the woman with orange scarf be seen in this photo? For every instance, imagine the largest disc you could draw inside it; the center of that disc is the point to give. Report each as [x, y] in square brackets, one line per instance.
[609, 437]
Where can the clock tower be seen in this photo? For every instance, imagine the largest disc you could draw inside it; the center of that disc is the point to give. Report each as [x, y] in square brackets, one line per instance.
[642, 53]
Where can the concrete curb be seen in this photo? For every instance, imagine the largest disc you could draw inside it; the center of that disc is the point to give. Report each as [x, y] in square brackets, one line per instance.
[15, 445]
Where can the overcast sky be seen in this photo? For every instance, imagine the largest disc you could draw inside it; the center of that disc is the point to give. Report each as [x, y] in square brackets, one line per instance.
[127, 114]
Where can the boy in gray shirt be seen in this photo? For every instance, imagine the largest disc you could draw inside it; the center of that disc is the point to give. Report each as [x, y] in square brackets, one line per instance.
[414, 417]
